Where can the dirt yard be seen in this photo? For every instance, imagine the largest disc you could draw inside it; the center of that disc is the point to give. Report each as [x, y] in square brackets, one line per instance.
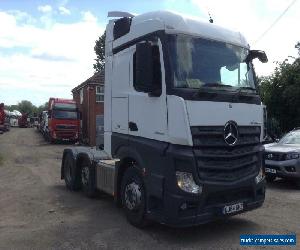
[38, 212]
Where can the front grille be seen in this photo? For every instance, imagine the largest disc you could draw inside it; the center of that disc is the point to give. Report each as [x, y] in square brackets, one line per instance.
[65, 126]
[65, 134]
[218, 161]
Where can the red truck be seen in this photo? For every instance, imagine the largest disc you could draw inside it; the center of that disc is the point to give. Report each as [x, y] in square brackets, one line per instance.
[2, 118]
[23, 121]
[63, 120]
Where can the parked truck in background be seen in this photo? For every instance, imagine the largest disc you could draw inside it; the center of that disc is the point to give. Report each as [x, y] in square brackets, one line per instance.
[43, 123]
[7, 120]
[63, 120]
[183, 123]
[2, 118]
[23, 121]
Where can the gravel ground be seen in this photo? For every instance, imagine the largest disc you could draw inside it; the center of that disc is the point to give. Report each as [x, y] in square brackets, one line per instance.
[38, 212]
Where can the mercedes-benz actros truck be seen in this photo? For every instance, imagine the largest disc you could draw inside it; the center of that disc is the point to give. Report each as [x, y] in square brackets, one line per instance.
[183, 122]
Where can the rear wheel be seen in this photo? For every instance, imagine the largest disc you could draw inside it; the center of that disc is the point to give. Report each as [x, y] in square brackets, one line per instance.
[270, 178]
[134, 197]
[88, 179]
[71, 176]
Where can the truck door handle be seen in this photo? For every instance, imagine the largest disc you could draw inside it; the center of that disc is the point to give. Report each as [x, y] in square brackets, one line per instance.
[132, 126]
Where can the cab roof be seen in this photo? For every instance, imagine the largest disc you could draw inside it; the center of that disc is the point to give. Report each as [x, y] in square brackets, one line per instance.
[179, 24]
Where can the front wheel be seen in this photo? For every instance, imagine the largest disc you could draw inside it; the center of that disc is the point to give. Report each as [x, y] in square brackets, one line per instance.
[134, 198]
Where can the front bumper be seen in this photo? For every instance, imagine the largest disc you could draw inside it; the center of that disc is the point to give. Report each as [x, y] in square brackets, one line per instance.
[200, 209]
[284, 169]
[67, 135]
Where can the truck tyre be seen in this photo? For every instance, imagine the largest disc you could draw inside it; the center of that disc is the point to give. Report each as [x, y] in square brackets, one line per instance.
[88, 178]
[270, 178]
[71, 175]
[133, 196]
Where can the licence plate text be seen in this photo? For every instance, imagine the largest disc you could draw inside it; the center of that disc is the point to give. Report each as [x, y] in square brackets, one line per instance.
[233, 208]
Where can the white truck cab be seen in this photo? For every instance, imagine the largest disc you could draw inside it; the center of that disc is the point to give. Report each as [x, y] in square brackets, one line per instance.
[183, 122]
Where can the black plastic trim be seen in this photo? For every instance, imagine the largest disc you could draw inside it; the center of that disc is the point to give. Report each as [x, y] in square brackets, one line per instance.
[159, 162]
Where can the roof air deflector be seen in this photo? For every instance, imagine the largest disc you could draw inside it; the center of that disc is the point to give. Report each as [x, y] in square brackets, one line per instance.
[119, 14]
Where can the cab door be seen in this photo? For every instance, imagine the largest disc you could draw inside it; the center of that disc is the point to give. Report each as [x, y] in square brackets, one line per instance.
[147, 96]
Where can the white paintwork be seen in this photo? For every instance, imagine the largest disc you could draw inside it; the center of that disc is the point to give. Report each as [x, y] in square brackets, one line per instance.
[149, 113]
[164, 118]
[119, 14]
[120, 115]
[178, 24]
[120, 75]
[207, 113]
[120, 87]
[140, 29]
[17, 113]
[108, 87]
[178, 123]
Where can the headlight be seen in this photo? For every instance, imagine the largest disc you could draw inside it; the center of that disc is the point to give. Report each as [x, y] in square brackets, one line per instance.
[260, 176]
[185, 181]
[291, 156]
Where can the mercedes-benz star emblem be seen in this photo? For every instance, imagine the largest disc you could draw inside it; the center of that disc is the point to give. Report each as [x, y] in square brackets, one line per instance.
[231, 133]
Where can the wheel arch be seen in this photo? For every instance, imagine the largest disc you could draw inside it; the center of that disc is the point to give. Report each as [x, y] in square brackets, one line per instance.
[128, 158]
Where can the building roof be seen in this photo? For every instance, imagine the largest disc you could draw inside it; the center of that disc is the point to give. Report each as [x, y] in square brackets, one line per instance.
[96, 79]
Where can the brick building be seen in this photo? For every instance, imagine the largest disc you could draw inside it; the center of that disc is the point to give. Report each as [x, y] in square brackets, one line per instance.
[89, 97]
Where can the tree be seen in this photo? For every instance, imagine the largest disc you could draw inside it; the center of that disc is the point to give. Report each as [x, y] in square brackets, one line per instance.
[42, 108]
[280, 93]
[26, 107]
[100, 52]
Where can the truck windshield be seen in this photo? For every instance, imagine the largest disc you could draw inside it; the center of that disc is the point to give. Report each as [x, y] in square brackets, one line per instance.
[66, 106]
[198, 63]
[62, 114]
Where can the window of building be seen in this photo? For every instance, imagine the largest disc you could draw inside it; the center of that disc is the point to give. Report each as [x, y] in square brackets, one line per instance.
[81, 96]
[100, 93]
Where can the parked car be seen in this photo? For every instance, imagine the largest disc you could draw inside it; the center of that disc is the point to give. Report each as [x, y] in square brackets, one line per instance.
[282, 159]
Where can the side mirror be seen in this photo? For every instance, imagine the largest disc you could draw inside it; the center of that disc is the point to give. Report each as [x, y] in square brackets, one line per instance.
[49, 113]
[144, 67]
[261, 55]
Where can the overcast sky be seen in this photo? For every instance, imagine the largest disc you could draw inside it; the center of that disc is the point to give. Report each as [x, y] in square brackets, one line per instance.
[46, 47]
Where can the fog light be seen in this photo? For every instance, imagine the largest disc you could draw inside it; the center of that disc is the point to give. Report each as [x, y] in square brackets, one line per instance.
[260, 176]
[185, 181]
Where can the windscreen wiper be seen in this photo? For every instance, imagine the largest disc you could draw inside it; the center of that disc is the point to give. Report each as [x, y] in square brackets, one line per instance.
[206, 91]
[215, 84]
[240, 89]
